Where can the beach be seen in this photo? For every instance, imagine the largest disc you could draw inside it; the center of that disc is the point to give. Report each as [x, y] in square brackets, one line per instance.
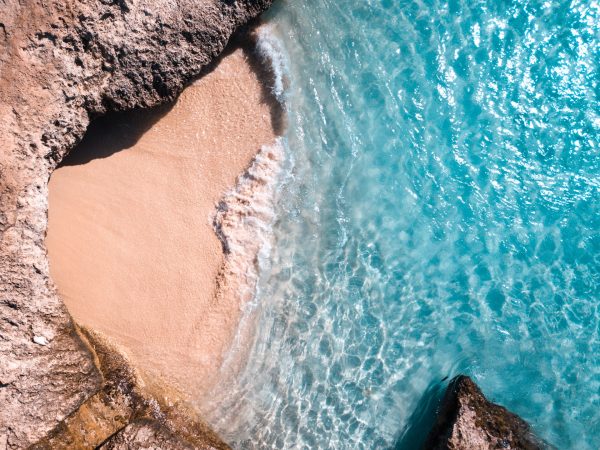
[131, 236]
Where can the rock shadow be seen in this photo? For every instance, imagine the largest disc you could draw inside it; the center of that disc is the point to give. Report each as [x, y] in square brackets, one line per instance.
[112, 133]
[413, 436]
[116, 131]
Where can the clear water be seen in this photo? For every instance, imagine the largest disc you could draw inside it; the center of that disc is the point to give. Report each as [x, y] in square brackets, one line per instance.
[441, 215]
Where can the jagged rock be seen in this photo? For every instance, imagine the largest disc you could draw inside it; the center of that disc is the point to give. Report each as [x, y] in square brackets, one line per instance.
[468, 421]
[62, 63]
[123, 413]
[149, 435]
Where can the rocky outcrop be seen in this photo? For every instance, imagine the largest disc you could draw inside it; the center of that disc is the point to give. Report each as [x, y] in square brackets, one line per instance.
[468, 421]
[122, 413]
[145, 434]
[61, 64]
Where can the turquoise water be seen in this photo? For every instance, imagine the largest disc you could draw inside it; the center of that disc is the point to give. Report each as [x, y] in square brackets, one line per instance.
[440, 215]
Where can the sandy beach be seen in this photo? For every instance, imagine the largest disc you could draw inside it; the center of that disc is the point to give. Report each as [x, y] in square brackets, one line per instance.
[131, 242]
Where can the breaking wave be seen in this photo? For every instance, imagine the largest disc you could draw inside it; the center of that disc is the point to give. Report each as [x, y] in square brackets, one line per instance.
[244, 218]
[272, 53]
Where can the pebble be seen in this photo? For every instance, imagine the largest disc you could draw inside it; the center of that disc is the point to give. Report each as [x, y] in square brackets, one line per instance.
[40, 340]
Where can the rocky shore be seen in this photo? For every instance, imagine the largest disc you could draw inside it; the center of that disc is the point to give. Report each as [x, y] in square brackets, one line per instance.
[122, 414]
[62, 64]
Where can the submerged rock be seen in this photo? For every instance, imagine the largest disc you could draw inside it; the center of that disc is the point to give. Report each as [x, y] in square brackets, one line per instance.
[61, 64]
[468, 421]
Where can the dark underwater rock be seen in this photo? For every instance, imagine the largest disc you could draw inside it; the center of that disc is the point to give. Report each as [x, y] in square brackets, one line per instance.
[468, 421]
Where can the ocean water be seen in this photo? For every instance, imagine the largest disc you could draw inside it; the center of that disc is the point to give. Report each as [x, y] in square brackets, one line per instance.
[439, 214]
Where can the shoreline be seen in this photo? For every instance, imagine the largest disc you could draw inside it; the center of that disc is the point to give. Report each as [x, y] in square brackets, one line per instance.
[243, 221]
[180, 336]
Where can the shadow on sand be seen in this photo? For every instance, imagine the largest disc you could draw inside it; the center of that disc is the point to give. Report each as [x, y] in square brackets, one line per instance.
[118, 131]
[112, 133]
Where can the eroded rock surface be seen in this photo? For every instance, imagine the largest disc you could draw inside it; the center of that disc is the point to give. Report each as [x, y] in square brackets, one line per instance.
[145, 434]
[62, 63]
[468, 421]
[123, 413]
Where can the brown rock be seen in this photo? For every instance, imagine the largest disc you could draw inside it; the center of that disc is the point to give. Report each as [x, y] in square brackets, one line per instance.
[62, 63]
[468, 421]
[122, 412]
[145, 434]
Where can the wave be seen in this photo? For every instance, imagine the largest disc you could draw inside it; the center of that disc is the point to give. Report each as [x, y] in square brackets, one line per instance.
[244, 218]
[243, 221]
[270, 49]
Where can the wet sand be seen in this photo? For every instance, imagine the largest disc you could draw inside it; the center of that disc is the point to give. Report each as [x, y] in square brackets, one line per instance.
[131, 242]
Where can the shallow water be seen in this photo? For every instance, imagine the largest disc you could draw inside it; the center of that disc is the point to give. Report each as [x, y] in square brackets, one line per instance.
[440, 216]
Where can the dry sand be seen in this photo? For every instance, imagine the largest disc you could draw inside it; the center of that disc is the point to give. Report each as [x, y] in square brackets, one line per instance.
[130, 239]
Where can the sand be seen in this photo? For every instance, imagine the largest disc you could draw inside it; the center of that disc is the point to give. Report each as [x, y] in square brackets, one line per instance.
[130, 239]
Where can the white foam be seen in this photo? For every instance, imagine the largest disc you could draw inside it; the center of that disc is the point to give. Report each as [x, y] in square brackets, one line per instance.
[244, 219]
[271, 51]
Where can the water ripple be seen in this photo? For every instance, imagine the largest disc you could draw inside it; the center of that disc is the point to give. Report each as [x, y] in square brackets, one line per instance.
[441, 217]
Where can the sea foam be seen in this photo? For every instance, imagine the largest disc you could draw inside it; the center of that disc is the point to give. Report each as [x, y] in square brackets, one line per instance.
[244, 217]
[270, 48]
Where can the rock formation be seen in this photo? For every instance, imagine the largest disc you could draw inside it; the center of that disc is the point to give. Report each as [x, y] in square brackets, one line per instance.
[62, 64]
[468, 421]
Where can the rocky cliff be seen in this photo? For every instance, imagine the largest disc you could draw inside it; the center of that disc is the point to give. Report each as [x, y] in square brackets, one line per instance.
[61, 64]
